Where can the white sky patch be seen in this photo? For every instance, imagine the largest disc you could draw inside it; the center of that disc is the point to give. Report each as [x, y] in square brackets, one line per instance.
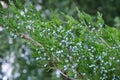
[4, 5]
[1, 28]
[57, 73]
[38, 7]
[7, 67]
[22, 13]
[7, 70]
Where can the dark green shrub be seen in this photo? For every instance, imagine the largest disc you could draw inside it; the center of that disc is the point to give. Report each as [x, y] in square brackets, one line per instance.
[109, 8]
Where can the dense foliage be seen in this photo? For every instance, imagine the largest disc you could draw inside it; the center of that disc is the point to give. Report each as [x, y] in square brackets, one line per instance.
[45, 44]
[78, 49]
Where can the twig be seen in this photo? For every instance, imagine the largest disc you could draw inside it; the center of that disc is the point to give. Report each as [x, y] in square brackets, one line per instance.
[62, 72]
[27, 37]
[105, 42]
[65, 75]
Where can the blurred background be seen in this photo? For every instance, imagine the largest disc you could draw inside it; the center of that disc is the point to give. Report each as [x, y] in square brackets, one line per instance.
[16, 60]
